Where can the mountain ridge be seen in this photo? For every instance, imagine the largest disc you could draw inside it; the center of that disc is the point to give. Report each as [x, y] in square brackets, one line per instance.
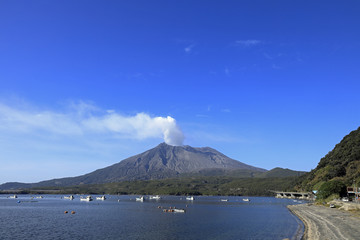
[163, 161]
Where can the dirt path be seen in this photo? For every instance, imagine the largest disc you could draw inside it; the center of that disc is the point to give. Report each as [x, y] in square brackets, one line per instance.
[327, 223]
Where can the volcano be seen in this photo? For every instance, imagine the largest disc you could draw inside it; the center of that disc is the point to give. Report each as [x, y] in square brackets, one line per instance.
[163, 161]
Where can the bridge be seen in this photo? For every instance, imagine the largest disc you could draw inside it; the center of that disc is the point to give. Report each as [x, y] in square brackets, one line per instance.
[295, 195]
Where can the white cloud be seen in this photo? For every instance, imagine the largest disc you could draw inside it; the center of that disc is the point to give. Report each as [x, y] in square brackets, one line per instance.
[248, 43]
[84, 119]
[18, 120]
[189, 48]
[38, 144]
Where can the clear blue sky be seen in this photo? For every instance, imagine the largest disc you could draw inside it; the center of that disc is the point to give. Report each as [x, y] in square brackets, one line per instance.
[85, 84]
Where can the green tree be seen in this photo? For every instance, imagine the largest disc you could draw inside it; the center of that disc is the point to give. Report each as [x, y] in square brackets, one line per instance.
[331, 187]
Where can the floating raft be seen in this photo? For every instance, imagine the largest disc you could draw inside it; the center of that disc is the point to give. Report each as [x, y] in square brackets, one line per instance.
[174, 210]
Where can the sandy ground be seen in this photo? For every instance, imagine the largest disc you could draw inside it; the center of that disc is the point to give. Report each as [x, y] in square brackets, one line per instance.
[327, 223]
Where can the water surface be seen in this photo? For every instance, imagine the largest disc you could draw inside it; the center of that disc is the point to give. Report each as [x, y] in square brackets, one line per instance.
[121, 217]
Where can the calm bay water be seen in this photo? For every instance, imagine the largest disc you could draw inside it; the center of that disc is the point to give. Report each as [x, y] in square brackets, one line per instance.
[121, 217]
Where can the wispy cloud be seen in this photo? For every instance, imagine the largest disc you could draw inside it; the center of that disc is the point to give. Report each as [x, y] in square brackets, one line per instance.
[19, 120]
[248, 42]
[83, 119]
[73, 139]
[189, 48]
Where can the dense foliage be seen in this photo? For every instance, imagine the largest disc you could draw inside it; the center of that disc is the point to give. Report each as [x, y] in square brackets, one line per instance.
[187, 186]
[340, 167]
[332, 187]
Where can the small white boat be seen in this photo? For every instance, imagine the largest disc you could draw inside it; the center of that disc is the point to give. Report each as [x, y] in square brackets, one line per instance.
[191, 198]
[140, 199]
[13, 196]
[102, 198]
[86, 199]
[179, 210]
[246, 200]
[40, 197]
[174, 210]
[157, 197]
[71, 197]
[224, 200]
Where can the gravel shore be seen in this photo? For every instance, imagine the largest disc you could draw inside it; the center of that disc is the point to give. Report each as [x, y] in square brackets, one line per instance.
[327, 223]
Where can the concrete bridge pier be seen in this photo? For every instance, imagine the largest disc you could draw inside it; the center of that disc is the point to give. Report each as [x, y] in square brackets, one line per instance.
[294, 195]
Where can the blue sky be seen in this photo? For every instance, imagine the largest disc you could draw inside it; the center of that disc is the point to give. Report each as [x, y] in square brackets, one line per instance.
[85, 84]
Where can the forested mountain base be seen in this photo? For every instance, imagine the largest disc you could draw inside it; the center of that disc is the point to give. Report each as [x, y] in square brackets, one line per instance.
[222, 186]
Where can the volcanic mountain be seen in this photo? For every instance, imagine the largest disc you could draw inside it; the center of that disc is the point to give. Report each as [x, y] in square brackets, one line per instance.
[163, 161]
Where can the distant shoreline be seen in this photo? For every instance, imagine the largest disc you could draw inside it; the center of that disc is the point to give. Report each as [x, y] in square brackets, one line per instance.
[326, 223]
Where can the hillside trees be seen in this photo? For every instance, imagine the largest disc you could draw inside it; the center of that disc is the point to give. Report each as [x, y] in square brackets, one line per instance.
[330, 188]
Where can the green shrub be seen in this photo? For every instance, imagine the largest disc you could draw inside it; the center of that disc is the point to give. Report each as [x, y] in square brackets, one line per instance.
[331, 187]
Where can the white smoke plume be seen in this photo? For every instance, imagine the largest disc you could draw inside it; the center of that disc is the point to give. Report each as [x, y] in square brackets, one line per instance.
[84, 119]
[140, 126]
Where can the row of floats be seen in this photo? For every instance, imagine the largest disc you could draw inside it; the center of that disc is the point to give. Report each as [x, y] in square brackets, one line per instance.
[86, 199]
[157, 197]
[71, 197]
[138, 199]
[188, 198]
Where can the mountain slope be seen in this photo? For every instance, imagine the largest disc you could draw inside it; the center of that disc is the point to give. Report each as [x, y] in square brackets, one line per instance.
[280, 173]
[342, 163]
[163, 161]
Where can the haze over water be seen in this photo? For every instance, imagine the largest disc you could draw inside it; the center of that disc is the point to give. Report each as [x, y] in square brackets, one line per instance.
[121, 217]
